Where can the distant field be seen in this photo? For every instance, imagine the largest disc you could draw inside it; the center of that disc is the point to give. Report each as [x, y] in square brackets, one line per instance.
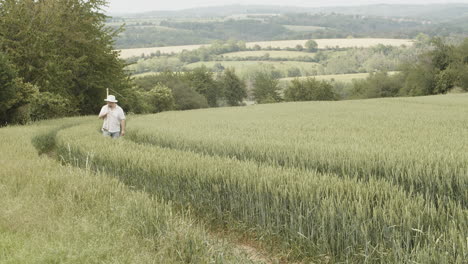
[128, 53]
[135, 25]
[144, 74]
[347, 78]
[336, 77]
[325, 43]
[243, 68]
[162, 28]
[322, 44]
[303, 28]
[272, 54]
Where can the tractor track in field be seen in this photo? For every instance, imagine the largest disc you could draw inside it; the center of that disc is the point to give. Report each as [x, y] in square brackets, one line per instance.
[246, 246]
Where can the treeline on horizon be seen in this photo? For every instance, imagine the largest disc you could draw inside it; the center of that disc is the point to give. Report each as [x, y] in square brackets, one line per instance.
[150, 34]
[435, 12]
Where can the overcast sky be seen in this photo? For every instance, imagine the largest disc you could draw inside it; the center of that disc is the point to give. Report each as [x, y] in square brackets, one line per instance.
[132, 6]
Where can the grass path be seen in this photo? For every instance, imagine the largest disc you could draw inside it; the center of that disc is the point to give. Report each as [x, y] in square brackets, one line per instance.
[50, 213]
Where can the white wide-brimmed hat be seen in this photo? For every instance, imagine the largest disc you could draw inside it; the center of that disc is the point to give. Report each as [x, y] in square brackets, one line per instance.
[110, 98]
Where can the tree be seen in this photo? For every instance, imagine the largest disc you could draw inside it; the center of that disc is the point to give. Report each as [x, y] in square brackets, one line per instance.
[309, 90]
[48, 105]
[257, 47]
[234, 88]
[218, 67]
[15, 95]
[422, 40]
[437, 71]
[160, 99]
[442, 55]
[266, 88]
[201, 79]
[63, 47]
[419, 79]
[377, 85]
[311, 45]
[460, 67]
[187, 98]
[8, 87]
[294, 72]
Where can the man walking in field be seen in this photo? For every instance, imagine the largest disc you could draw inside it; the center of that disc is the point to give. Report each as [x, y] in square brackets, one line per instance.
[114, 118]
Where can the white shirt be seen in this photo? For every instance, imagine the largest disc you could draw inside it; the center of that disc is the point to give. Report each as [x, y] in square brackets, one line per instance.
[113, 118]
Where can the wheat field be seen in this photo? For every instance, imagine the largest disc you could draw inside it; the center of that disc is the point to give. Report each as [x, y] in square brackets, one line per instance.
[362, 181]
[377, 181]
[53, 212]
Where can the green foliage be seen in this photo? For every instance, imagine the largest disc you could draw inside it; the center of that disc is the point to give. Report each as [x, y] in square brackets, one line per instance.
[137, 37]
[209, 52]
[234, 88]
[437, 71]
[245, 29]
[202, 80]
[422, 40]
[160, 99]
[266, 88]
[309, 90]
[463, 78]
[15, 95]
[183, 87]
[64, 48]
[419, 79]
[151, 100]
[294, 72]
[199, 28]
[311, 45]
[156, 64]
[187, 98]
[8, 91]
[459, 67]
[379, 84]
[48, 105]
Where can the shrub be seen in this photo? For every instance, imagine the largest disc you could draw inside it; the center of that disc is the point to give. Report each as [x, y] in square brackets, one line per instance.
[294, 72]
[202, 81]
[379, 84]
[266, 88]
[234, 88]
[186, 98]
[309, 90]
[311, 45]
[161, 99]
[48, 105]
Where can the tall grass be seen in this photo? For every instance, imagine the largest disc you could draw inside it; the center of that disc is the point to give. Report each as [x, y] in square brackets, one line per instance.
[314, 216]
[419, 144]
[59, 214]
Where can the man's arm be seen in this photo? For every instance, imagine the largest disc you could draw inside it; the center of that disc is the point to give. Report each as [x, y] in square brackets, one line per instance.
[103, 113]
[122, 127]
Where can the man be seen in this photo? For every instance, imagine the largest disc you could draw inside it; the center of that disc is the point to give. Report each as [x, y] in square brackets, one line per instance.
[114, 118]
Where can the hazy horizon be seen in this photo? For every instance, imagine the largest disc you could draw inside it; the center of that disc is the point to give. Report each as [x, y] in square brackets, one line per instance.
[137, 6]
